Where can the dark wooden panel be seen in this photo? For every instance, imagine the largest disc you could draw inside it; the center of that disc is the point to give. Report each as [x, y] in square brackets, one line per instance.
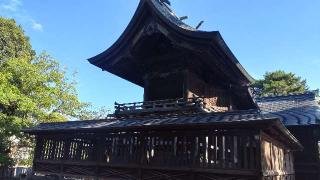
[218, 151]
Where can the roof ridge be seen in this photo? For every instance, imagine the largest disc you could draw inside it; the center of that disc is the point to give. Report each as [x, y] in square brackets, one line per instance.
[163, 8]
[310, 92]
[238, 112]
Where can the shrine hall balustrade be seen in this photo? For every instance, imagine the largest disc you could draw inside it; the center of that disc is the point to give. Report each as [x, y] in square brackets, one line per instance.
[204, 149]
[196, 104]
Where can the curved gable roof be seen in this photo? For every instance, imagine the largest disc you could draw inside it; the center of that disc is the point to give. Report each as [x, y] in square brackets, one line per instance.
[162, 12]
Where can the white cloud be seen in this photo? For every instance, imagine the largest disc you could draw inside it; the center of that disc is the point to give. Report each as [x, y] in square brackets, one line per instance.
[37, 26]
[14, 9]
[11, 5]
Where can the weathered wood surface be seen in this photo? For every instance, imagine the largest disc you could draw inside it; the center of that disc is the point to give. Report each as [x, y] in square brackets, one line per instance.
[215, 152]
[276, 159]
[192, 104]
[307, 162]
[183, 149]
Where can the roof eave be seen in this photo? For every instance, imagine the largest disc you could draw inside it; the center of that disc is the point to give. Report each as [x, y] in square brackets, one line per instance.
[208, 36]
[296, 145]
[234, 124]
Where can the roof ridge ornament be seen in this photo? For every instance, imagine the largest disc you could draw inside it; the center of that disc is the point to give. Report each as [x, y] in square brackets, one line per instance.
[166, 1]
[183, 18]
[199, 25]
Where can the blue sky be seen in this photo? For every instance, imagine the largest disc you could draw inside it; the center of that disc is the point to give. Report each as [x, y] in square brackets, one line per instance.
[264, 35]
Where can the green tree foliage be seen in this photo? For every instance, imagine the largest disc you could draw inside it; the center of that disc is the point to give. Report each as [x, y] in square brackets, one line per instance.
[280, 83]
[13, 42]
[33, 89]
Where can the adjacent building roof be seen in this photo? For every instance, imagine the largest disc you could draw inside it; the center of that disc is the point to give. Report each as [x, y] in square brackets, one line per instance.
[293, 109]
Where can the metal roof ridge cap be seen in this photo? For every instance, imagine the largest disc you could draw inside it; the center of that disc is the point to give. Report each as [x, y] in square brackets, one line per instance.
[309, 92]
[195, 32]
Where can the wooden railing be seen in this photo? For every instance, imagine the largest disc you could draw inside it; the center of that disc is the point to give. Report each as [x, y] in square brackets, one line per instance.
[196, 103]
[212, 152]
[213, 149]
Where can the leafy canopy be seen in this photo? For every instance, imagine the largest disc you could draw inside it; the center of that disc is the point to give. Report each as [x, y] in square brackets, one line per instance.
[280, 83]
[13, 42]
[33, 89]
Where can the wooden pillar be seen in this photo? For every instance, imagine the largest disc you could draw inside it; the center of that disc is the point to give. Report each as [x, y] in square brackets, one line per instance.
[146, 88]
[258, 150]
[142, 152]
[98, 145]
[37, 151]
[140, 176]
[185, 88]
[193, 176]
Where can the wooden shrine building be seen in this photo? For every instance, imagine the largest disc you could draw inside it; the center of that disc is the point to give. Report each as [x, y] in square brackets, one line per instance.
[198, 119]
[301, 115]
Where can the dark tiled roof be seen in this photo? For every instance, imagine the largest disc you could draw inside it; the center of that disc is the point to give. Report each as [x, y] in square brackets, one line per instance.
[166, 11]
[293, 109]
[296, 109]
[206, 118]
